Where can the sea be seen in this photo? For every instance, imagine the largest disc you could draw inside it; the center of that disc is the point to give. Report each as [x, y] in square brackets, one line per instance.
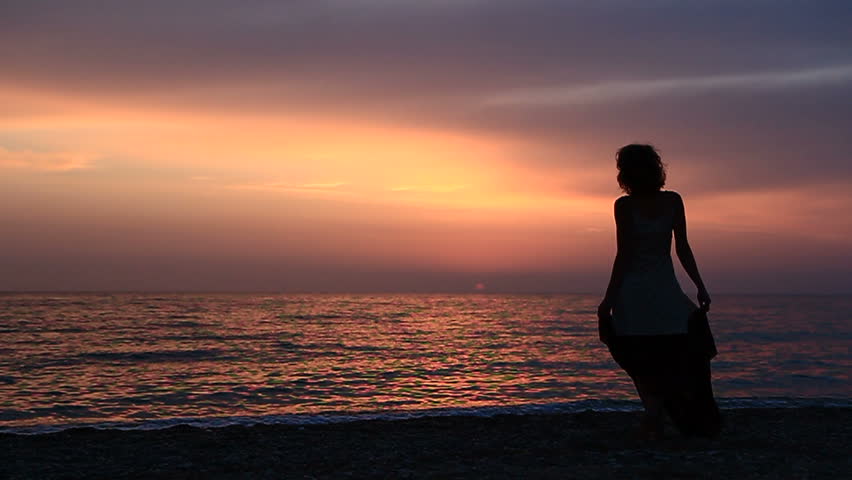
[148, 361]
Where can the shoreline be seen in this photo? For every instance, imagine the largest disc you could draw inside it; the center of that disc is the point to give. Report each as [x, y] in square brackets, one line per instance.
[807, 442]
[333, 417]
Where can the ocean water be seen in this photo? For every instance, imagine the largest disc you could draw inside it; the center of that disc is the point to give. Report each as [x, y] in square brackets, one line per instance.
[151, 361]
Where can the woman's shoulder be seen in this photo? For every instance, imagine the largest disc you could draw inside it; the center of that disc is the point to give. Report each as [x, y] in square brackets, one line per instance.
[667, 194]
[622, 202]
[675, 201]
[672, 196]
[622, 208]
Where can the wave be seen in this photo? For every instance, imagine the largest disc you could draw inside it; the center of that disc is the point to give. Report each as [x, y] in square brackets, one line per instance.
[589, 405]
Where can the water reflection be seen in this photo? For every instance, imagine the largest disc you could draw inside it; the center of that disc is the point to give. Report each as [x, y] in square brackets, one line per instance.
[125, 357]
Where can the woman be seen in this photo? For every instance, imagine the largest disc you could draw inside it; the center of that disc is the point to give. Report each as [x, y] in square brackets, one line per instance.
[644, 317]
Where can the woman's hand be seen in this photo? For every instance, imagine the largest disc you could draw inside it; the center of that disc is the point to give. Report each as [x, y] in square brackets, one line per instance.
[605, 330]
[704, 299]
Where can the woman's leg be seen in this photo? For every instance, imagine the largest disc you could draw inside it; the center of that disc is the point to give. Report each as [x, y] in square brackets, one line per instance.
[652, 421]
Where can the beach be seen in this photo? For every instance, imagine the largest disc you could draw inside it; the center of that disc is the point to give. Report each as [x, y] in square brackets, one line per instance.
[756, 443]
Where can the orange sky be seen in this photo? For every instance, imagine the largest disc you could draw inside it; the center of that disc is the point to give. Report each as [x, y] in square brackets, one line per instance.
[119, 175]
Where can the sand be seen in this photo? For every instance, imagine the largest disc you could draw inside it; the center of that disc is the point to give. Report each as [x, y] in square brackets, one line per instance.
[757, 443]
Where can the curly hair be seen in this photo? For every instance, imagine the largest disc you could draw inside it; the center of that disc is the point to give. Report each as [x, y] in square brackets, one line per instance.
[640, 169]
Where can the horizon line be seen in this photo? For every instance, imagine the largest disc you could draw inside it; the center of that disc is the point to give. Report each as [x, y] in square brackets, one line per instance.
[391, 292]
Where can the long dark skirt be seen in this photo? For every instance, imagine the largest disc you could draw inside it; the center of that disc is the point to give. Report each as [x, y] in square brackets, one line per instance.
[667, 366]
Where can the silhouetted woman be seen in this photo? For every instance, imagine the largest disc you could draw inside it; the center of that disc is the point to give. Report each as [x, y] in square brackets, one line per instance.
[645, 317]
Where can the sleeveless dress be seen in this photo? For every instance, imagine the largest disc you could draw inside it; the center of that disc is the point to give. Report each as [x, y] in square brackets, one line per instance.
[651, 318]
[650, 300]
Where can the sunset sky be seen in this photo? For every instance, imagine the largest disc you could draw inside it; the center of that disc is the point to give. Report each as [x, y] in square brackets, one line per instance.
[416, 145]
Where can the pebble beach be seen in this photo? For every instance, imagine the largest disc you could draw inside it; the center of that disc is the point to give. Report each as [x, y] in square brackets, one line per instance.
[756, 443]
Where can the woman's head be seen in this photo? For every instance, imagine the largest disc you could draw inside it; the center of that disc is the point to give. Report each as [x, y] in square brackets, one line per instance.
[640, 169]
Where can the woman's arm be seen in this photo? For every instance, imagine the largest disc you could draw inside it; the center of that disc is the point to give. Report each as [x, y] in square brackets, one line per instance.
[623, 252]
[684, 253]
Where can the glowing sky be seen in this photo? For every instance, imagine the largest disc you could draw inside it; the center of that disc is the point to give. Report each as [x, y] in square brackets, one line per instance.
[380, 145]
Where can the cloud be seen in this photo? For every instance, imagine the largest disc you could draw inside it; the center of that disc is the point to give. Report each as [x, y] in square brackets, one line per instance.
[322, 186]
[614, 91]
[735, 135]
[325, 52]
[45, 161]
[331, 188]
[757, 88]
[741, 97]
[429, 188]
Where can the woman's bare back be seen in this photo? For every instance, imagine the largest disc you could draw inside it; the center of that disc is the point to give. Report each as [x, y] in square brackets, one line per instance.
[654, 205]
